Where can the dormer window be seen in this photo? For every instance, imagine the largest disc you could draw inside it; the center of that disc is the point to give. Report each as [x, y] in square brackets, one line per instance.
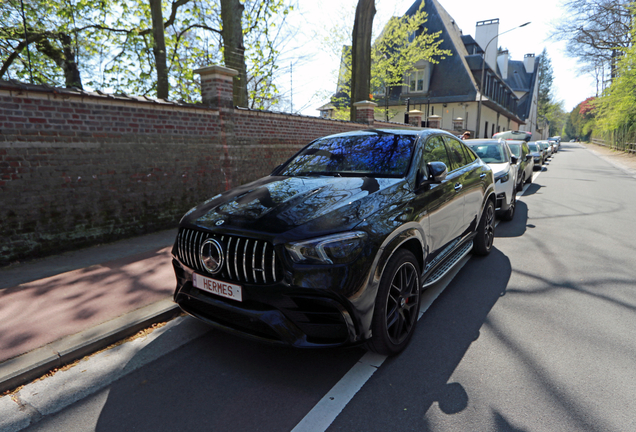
[418, 81]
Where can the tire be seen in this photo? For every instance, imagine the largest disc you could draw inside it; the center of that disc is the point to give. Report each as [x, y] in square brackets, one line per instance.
[510, 213]
[482, 245]
[397, 305]
[521, 183]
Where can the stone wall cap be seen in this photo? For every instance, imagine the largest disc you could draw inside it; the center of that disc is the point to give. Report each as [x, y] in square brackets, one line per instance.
[219, 70]
[364, 104]
[416, 112]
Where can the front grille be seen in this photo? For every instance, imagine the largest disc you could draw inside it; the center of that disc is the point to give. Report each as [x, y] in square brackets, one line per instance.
[246, 260]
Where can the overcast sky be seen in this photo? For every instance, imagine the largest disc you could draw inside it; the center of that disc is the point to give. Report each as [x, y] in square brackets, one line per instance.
[314, 19]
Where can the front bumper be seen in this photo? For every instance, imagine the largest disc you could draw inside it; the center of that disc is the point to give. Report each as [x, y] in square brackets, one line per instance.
[278, 313]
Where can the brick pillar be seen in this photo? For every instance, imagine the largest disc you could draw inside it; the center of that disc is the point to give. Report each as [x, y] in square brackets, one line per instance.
[217, 86]
[364, 112]
[415, 118]
[217, 91]
[435, 122]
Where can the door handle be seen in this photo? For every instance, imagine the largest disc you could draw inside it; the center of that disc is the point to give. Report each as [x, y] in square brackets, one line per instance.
[482, 175]
[458, 187]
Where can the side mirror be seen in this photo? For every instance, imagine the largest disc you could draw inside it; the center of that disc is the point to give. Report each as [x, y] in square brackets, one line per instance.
[514, 160]
[437, 172]
[528, 157]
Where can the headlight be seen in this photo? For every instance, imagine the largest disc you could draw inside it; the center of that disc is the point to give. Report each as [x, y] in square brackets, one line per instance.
[503, 177]
[334, 249]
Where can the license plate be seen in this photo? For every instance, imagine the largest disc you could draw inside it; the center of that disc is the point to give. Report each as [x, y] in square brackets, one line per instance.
[216, 287]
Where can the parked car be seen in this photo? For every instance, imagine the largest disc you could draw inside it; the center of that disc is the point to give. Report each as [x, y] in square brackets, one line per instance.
[537, 154]
[555, 144]
[497, 155]
[547, 150]
[513, 135]
[525, 162]
[335, 246]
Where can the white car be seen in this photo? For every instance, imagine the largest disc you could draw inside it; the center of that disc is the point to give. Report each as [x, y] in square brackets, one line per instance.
[497, 154]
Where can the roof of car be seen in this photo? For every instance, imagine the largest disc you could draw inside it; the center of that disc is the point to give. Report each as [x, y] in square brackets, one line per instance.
[488, 141]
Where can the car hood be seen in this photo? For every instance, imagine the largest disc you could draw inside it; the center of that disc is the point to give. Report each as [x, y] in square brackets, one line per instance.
[499, 168]
[278, 205]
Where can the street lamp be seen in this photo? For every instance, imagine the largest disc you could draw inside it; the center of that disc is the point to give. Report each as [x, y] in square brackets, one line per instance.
[483, 71]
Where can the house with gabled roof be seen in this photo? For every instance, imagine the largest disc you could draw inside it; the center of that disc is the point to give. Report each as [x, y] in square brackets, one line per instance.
[447, 94]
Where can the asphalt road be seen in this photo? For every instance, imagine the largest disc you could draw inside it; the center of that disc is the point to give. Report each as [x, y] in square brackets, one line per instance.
[538, 336]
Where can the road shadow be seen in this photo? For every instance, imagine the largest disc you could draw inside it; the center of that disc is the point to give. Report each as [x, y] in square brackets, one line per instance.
[533, 189]
[220, 382]
[517, 226]
[421, 376]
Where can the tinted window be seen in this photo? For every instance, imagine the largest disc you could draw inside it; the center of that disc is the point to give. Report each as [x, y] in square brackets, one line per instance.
[493, 153]
[435, 151]
[377, 155]
[458, 157]
[533, 147]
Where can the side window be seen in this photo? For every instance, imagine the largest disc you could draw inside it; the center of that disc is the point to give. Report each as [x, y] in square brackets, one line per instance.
[470, 156]
[458, 157]
[435, 151]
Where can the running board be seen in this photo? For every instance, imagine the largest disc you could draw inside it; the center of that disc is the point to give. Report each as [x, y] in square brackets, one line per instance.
[448, 264]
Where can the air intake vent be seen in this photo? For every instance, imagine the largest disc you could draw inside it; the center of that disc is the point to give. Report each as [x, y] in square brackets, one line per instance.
[246, 260]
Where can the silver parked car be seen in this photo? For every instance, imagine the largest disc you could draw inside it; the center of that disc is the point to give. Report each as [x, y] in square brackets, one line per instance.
[525, 162]
[537, 154]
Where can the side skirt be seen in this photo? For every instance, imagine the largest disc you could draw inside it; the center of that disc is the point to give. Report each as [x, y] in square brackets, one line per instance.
[448, 264]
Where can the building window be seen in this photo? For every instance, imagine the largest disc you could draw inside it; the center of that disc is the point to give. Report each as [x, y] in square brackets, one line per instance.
[486, 130]
[416, 81]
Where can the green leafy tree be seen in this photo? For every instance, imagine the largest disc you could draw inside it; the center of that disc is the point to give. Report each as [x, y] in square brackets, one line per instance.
[403, 42]
[119, 44]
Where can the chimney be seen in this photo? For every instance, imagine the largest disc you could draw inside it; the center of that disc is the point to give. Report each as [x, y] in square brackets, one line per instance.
[502, 62]
[528, 62]
[485, 32]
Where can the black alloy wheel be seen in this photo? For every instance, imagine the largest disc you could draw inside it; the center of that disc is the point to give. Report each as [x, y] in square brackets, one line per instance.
[482, 245]
[397, 305]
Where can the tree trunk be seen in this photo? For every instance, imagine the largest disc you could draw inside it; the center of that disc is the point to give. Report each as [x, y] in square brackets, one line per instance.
[159, 49]
[361, 53]
[71, 71]
[233, 48]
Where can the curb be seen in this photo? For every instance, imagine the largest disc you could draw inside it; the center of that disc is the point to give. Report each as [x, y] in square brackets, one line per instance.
[27, 367]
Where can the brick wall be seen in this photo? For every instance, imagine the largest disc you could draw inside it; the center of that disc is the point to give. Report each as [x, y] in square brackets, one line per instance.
[77, 168]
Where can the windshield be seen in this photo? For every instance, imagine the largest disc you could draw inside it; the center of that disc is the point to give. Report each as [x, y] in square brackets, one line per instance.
[493, 153]
[373, 155]
[533, 147]
[515, 149]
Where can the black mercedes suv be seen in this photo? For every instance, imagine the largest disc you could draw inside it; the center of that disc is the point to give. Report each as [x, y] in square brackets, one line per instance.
[336, 245]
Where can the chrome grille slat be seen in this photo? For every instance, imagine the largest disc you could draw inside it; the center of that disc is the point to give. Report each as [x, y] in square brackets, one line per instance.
[247, 242]
[273, 263]
[189, 240]
[227, 258]
[242, 258]
[263, 263]
[236, 248]
[254, 261]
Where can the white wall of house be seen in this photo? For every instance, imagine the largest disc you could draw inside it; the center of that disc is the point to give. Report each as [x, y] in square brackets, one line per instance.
[467, 111]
